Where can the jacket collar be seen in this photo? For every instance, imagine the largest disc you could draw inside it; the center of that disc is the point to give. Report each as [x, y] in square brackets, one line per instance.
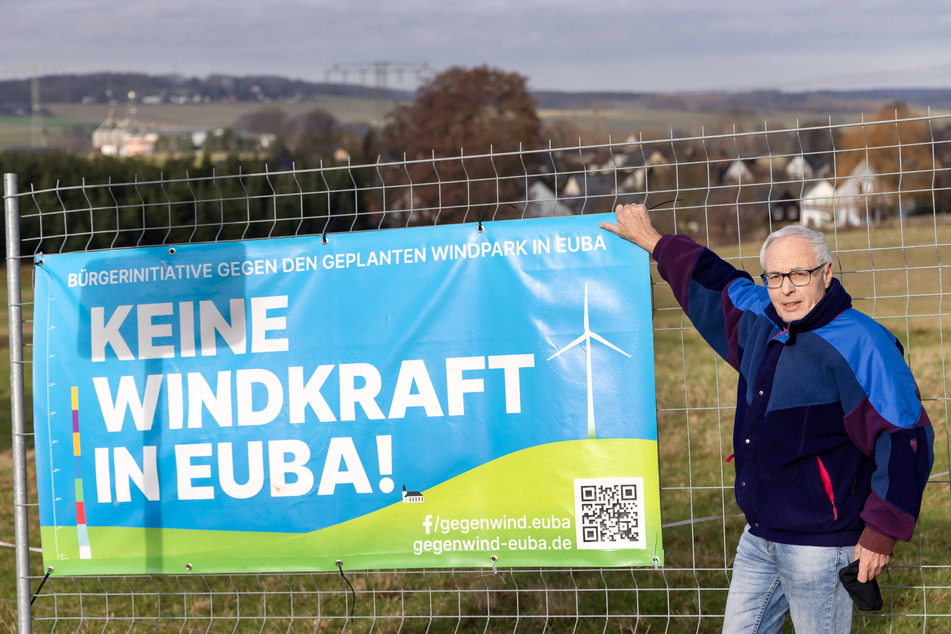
[832, 303]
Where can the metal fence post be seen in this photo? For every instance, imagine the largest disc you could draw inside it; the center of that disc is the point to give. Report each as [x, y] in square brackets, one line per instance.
[14, 298]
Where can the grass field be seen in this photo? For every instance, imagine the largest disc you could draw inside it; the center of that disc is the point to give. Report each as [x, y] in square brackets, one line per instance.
[17, 131]
[217, 115]
[896, 274]
[594, 123]
[658, 124]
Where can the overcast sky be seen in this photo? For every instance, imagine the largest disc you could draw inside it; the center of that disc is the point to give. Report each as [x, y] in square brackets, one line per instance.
[625, 45]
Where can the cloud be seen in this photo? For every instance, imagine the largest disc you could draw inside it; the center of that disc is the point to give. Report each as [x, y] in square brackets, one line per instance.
[559, 44]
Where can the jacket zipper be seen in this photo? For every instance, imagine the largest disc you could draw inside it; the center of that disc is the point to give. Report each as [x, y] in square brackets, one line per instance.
[827, 487]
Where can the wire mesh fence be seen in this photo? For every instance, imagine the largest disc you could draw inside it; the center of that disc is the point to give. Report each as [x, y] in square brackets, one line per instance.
[881, 191]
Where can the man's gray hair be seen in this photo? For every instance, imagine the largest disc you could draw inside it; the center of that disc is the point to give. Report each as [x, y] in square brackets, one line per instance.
[818, 241]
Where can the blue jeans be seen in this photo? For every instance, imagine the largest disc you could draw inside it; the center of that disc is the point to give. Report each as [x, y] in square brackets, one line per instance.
[772, 580]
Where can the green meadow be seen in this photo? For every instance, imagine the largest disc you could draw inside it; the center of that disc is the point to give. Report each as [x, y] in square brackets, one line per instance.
[69, 121]
[899, 274]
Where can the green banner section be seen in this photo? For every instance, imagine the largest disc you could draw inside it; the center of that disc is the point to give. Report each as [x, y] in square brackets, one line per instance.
[518, 510]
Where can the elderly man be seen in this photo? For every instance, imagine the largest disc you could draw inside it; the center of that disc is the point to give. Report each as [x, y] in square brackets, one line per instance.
[832, 447]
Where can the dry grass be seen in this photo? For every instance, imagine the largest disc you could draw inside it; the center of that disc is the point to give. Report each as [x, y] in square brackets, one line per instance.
[902, 280]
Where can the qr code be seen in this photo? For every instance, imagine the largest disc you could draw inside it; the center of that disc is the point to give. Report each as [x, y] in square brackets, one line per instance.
[608, 512]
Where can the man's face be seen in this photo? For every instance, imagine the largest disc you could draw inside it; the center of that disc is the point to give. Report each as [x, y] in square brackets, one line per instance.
[785, 255]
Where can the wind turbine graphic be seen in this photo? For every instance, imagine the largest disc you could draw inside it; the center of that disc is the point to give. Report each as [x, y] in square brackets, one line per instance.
[586, 338]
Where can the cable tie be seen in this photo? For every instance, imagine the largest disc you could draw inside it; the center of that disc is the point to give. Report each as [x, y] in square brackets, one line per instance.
[37, 593]
[672, 200]
[353, 593]
[480, 227]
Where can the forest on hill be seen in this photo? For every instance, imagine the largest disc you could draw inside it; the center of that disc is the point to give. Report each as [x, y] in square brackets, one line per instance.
[18, 94]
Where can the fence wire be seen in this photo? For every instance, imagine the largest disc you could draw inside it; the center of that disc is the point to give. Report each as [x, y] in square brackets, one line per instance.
[881, 191]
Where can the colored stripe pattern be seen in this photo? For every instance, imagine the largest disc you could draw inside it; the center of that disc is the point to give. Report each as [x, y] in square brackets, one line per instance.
[82, 532]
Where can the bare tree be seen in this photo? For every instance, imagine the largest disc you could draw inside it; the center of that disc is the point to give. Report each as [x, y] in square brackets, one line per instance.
[314, 134]
[266, 120]
[895, 147]
[459, 115]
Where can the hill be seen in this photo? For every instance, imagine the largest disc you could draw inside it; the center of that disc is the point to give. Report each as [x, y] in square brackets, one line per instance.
[68, 108]
[104, 88]
[817, 102]
[153, 89]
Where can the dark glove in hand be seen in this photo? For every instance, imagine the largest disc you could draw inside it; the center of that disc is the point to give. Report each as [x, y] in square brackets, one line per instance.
[866, 596]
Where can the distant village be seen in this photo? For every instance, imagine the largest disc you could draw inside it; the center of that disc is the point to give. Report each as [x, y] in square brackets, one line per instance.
[801, 190]
[798, 188]
[125, 137]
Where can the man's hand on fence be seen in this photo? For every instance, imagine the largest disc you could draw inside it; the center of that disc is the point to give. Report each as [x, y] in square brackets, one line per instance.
[633, 223]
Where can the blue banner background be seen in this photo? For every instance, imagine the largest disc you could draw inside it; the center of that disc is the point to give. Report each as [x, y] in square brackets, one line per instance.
[530, 301]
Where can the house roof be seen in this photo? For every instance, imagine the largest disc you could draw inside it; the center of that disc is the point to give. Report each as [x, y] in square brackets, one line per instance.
[821, 194]
[543, 203]
[737, 170]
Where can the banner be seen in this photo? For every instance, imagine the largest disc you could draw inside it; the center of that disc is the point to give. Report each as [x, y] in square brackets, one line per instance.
[449, 396]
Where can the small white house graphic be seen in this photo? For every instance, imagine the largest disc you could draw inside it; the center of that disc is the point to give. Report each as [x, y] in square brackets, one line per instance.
[411, 497]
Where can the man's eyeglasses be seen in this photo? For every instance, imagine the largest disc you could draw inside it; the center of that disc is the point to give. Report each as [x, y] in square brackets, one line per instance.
[798, 277]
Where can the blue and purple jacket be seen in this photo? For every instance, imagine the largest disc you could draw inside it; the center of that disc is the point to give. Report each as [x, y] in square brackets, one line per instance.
[831, 443]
